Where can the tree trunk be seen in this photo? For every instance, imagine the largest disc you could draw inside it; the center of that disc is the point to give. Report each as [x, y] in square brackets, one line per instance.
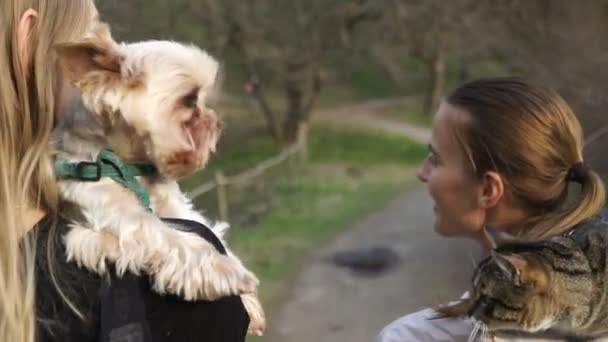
[272, 124]
[436, 88]
[464, 73]
[293, 115]
[302, 141]
[257, 91]
[293, 91]
[299, 109]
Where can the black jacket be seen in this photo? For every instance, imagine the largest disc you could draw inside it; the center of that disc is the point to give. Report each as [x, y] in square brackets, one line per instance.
[124, 309]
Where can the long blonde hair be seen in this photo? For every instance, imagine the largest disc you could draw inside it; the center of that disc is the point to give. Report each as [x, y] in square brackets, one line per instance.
[28, 105]
[532, 138]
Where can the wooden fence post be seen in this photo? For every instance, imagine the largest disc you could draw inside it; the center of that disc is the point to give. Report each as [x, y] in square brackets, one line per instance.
[302, 143]
[222, 197]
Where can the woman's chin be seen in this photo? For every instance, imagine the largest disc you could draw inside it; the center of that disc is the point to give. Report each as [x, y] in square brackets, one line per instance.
[445, 230]
[440, 229]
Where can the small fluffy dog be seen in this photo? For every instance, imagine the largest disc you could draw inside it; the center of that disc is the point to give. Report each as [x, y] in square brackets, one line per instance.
[147, 103]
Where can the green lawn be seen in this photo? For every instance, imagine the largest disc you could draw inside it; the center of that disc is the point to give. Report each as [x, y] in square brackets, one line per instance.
[409, 116]
[291, 210]
[409, 111]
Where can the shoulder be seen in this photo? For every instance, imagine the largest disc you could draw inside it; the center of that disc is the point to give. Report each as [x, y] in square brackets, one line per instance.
[419, 327]
[62, 288]
[594, 225]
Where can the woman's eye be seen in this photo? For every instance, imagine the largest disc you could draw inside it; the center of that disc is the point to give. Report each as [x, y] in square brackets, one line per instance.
[432, 159]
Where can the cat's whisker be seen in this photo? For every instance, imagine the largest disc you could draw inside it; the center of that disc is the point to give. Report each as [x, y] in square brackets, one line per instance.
[473, 261]
[487, 336]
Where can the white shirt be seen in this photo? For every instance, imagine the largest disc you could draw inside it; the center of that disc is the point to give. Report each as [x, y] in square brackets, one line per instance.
[418, 327]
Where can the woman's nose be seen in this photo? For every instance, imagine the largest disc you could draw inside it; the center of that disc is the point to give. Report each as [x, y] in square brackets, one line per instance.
[422, 172]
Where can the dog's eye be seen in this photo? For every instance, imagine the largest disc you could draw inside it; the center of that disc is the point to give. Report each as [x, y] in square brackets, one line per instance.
[191, 100]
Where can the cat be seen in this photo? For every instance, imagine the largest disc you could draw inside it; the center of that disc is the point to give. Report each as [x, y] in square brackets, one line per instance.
[551, 288]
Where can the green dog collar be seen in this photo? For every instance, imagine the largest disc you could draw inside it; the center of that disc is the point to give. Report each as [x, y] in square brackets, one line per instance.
[109, 165]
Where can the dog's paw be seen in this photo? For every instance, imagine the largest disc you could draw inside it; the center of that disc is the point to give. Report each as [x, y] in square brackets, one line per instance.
[211, 278]
[90, 248]
[228, 276]
[257, 317]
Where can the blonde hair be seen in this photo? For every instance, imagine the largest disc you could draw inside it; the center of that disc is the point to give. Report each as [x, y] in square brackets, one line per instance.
[27, 114]
[531, 137]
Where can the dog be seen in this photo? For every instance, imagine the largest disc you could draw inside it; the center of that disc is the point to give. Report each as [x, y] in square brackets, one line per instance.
[146, 102]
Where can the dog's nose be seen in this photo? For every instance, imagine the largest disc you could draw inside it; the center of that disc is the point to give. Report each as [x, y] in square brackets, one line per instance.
[213, 121]
[210, 114]
[219, 125]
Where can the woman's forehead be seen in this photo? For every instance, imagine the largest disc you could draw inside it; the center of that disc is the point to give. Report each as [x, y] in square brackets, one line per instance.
[445, 124]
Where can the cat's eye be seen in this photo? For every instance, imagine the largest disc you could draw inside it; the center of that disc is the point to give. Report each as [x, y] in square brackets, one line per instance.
[488, 307]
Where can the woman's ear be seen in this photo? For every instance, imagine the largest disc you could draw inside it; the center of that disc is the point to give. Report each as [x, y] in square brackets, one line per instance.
[24, 31]
[492, 190]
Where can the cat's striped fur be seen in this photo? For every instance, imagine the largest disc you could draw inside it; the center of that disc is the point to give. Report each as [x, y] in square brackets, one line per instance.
[557, 287]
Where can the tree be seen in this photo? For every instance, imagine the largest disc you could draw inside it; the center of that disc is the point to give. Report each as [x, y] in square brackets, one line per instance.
[278, 43]
[427, 30]
[562, 44]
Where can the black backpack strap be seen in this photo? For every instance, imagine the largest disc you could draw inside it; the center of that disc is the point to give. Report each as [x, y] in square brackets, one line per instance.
[197, 228]
[123, 310]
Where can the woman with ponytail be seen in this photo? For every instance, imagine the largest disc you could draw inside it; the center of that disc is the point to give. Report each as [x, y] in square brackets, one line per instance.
[504, 154]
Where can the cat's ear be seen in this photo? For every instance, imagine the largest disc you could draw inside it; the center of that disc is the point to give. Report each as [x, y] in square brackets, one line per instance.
[522, 271]
[511, 265]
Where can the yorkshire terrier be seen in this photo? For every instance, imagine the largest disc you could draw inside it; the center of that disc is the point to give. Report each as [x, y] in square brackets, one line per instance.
[146, 102]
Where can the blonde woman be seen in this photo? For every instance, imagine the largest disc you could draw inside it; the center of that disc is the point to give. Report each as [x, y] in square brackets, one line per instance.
[503, 153]
[43, 298]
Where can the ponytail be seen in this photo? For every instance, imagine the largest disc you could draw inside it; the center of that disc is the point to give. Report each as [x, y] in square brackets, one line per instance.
[590, 201]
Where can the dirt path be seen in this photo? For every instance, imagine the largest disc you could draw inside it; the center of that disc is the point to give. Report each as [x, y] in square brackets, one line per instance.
[333, 304]
[329, 303]
[362, 115]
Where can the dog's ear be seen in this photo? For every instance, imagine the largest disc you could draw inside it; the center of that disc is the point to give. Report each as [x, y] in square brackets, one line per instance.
[96, 53]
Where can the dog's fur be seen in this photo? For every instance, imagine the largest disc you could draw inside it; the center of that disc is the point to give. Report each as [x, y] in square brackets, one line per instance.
[147, 102]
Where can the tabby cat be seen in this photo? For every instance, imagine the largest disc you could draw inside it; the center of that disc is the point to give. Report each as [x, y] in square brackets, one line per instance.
[556, 287]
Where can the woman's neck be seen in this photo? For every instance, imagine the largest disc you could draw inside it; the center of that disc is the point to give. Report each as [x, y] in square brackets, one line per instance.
[486, 242]
[502, 221]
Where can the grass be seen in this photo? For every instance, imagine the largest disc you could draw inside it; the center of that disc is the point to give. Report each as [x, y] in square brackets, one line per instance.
[409, 116]
[369, 81]
[234, 159]
[361, 147]
[409, 111]
[311, 211]
[277, 220]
